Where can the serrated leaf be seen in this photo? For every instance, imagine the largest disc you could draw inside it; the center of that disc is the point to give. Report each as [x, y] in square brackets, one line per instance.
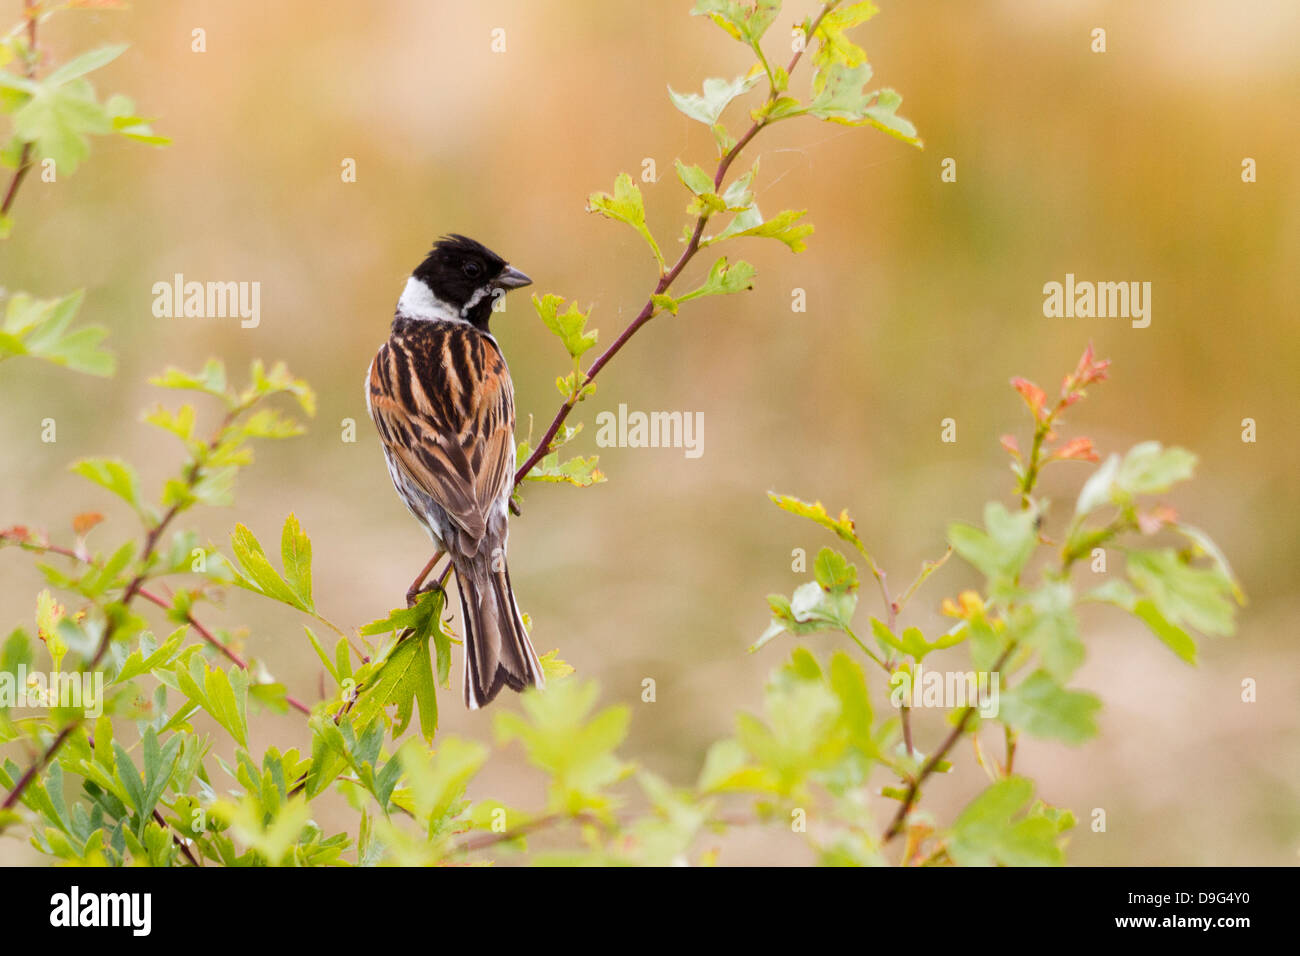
[724, 279]
[295, 552]
[256, 571]
[1185, 595]
[626, 205]
[59, 118]
[1041, 707]
[1000, 552]
[784, 227]
[988, 832]
[707, 107]
[40, 328]
[581, 472]
[404, 678]
[569, 326]
[112, 474]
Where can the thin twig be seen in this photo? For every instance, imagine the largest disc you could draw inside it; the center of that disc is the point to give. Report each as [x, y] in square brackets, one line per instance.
[25, 158]
[665, 280]
[914, 787]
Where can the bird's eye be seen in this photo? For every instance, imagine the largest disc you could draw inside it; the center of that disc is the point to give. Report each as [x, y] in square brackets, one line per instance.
[473, 269]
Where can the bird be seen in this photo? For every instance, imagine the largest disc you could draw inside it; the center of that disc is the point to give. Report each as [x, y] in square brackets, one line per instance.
[441, 397]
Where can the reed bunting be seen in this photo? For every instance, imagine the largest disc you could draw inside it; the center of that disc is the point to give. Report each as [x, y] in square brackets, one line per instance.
[440, 395]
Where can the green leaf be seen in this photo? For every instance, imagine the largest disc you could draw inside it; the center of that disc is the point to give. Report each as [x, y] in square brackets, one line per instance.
[1096, 490]
[987, 831]
[694, 178]
[146, 657]
[39, 328]
[1203, 545]
[256, 572]
[707, 108]
[113, 474]
[664, 303]
[59, 118]
[570, 325]
[211, 381]
[834, 46]
[127, 124]
[841, 97]
[815, 511]
[834, 572]
[1001, 551]
[324, 658]
[744, 21]
[1043, 708]
[86, 63]
[883, 115]
[270, 838]
[278, 381]
[807, 734]
[1193, 597]
[295, 552]
[405, 677]
[1047, 624]
[783, 227]
[840, 92]
[724, 279]
[179, 423]
[437, 781]
[913, 642]
[1173, 636]
[578, 753]
[1150, 468]
[626, 205]
[552, 667]
[223, 695]
[727, 767]
[578, 471]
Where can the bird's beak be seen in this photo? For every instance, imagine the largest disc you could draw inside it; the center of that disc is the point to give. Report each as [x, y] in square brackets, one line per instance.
[512, 278]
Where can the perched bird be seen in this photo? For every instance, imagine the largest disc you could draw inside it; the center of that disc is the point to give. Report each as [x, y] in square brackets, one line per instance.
[440, 394]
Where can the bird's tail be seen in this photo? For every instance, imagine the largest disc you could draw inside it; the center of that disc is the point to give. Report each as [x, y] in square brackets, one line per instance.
[497, 650]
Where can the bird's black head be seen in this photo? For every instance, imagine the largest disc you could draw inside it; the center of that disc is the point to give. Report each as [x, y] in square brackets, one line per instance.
[466, 277]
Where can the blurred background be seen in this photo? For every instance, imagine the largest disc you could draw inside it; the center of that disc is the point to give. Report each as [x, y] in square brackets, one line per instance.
[923, 299]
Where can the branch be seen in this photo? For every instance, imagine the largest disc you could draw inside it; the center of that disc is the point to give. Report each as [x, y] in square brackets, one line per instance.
[25, 159]
[914, 788]
[166, 605]
[132, 590]
[665, 280]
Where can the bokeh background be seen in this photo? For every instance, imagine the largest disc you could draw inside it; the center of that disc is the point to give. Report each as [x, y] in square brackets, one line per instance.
[924, 298]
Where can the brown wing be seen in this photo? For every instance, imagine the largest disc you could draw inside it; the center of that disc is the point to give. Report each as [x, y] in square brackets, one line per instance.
[441, 397]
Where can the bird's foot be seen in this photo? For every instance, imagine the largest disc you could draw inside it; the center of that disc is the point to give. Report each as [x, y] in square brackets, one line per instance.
[413, 595]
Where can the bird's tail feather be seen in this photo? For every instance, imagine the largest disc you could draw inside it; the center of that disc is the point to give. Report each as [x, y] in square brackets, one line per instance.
[497, 650]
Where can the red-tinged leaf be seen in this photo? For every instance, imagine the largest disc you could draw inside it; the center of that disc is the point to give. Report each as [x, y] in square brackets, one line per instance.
[82, 523]
[1076, 449]
[1034, 396]
[1152, 521]
[1089, 371]
[18, 532]
[1010, 444]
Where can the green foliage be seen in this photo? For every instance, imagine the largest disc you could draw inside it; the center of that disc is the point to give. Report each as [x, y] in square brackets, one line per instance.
[1000, 827]
[39, 328]
[168, 773]
[54, 117]
[839, 64]
[1023, 630]
[626, 205]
